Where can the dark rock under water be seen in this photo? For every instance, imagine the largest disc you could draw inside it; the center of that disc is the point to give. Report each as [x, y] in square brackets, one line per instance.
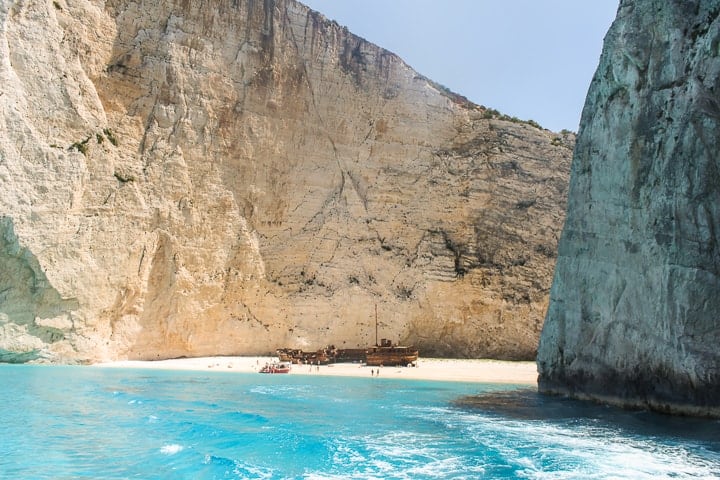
[528, 405]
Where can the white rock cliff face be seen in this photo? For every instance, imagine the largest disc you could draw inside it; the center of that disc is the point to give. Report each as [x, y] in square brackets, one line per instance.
[633, 316]
[228, 177]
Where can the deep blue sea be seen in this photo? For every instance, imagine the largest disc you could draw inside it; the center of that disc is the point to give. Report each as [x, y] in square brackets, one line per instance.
[94, 423]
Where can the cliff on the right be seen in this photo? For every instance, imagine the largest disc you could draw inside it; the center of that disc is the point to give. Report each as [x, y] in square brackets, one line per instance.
[634, 313]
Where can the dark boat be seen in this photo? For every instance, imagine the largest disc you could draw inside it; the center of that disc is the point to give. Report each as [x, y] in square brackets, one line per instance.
[383, 354]
[322, 356]
[299, 357]
[349, 355]
[389, 355]
[289, 354]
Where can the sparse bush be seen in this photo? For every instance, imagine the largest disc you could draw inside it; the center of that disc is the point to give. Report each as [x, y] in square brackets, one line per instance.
[490, 113]
[403, 292]
[525, 204]
[110, 136]
[519, 262]
[81, 146]
[546, 250]
[123, 178]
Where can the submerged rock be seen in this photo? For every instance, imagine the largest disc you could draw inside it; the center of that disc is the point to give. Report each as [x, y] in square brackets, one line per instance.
[635, 302]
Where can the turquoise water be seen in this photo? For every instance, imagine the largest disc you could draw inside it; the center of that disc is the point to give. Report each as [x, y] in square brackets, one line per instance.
[92, 423]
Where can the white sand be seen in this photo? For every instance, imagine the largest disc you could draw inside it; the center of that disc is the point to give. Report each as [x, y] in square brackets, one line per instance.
[484, 371]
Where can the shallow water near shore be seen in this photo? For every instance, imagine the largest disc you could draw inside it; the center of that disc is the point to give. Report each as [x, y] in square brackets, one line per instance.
[78, 422]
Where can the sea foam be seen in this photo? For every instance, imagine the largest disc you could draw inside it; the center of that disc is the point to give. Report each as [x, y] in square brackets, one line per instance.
[171, 449]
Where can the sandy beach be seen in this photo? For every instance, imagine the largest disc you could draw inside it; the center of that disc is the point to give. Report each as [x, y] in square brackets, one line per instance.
[438, 369]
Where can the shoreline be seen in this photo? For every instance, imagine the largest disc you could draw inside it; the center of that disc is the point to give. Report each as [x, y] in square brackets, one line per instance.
[432, 369]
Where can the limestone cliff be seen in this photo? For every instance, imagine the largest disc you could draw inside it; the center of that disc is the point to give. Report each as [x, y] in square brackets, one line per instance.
[226, 177]
[633, 315]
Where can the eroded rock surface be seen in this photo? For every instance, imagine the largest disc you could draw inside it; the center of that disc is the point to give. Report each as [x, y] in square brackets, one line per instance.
[633, 317]
[227, 177]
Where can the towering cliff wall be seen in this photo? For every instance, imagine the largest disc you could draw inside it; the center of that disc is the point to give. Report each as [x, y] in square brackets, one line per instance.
[633, 316]
[226, 177]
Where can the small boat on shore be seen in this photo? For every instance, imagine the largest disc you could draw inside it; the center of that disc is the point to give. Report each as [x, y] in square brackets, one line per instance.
[276, 368]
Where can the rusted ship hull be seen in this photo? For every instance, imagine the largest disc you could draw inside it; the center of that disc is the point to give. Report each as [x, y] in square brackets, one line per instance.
[391, 359]
[391, 356]
[385, 354]
[296, 356]
[349, 355]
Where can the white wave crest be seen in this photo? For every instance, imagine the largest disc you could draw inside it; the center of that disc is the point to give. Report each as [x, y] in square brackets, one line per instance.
[171, 449]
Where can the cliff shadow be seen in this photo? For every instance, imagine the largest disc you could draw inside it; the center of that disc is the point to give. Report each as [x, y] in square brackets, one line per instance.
[29, 304]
